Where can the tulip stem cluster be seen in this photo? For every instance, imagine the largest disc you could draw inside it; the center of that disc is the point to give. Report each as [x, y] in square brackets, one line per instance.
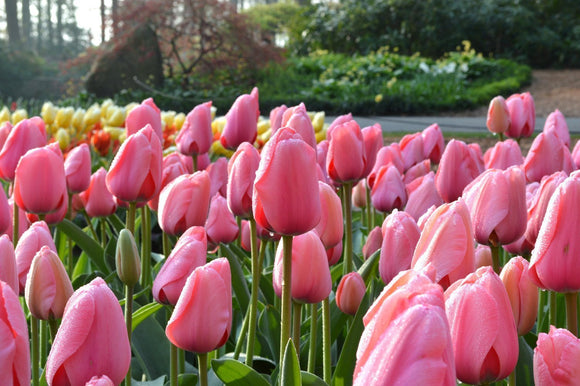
[173, 364]
[495, 258]
[15, 225]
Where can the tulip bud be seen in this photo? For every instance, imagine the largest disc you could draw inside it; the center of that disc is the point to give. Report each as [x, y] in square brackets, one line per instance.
[77, 168]
[241, 121]
[498, 116]
[433, 143]
[127, 259]
[411, 150]
[373, 242]
[350, 292]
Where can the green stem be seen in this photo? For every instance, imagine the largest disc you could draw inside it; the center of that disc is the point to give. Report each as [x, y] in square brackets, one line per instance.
[173, 364]
[43, 342]
[286, 294]
[130, 221]
[495, 258]
[90, 225]
[500, 135]
[53, 324]
[327, 376]
[543, 299]
[15, 225]
[347, 196]
[313, 337]
[553, 308]
[70, 260]
[297, 312]
[166, 245]
[194, 157]
[202, 368]
[512, 378]
[243, 332]
[256, 270]
[572, 312]
[35, 347]
[129, 322]
[181, 361]
[103, 226]
[369, 208]
[145, 246]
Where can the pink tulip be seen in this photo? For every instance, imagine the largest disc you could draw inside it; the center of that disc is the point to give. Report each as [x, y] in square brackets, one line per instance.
[412, 149]
[350, 292]
[458, 167]
[241, 172]
[285, 198]
[97, 199]
[311, 281]
[341, 119]
[218, 175]
[15, 352]
[100, 381]
[184, 203]
[5, 213]
[8, 270]
[77, 168]
[330, 227]
[553, 264]
[297, 118]
[202, 318]
[48, 286]
[245, 241]
[241, 121]
[503, 155]
[135, 173]
[24, 136]
[478, 306]
[346, 159]
[547, 155]
[498, 116]
[334, 254]
[189, 252]
[32, 240]
[497, 202]
[576, 155]
[147, 113]
[386, 155]
[555, 358]
[446, 242]
[422, 195]
[276, 115]
[373, 141]
[400, 235]
[195, 136]
[483, 256]
[373, 242]
[406, 339]
[433, 143]
[39, 180]
[54, 217]
[475, 149]
[425, 216]
[359, 194]
[174, 166]
[5, 129]
[388, 192]
[418, 170]
[321, 152]
[23, 222]
[92, 338]
[522, 293]
[557, 123]
[522, 115]
[221, 225]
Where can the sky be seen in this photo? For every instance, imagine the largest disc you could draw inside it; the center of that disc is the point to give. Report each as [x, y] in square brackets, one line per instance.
[88, 15]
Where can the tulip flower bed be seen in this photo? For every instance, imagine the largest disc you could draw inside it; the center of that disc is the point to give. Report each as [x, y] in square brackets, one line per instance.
[155, 248]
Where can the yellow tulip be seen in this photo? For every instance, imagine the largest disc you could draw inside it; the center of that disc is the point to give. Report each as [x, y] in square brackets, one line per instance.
[78, 120]
[217, 126]
[115, 116]
[321, 135]
[18, 116]
[48, 112]
[64, 117]
[213, 112]
[263, 125]
[63, 138]
[105, 106]
[178, 121]
[318, 121]
[92, 116]
[115, 131]
[4, 114]
[167, 118]
[218, 149]
[265, 136]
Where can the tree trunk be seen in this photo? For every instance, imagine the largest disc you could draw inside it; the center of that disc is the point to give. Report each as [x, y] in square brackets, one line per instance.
[49, 25]
[39, 26]
[115, 17]
[103, 21]
[26, 23]
[59, 32]
[12, 22]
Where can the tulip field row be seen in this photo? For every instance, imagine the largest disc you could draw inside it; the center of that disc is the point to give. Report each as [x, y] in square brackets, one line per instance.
[148, 247]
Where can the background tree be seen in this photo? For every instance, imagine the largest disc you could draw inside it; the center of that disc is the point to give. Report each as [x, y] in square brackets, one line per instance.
[12, 22]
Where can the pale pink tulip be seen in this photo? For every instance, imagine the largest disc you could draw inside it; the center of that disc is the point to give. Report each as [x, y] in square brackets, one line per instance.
[433, 143]
[218, 175]
[241, 121]
[330, 227]
[458, 167]
[498, 116]
[346, 160]
[373, 140]
[241, 172]
[25, 135]
[416, 171]
[174, 166]
[77, 168]
[547, 155]
[522, 293]
[97, 200]
[350, 292]
[388, 191]
[8, 271]
[557, 123]
[422, 195]
[503, 155]
[412, 149]
[373, 242]
[195, 136]
[297, 118]
[386, 155]
[555, 358]
[147, 113]
[276, 115]
[400, 235]
[221, 225]
[522, 115]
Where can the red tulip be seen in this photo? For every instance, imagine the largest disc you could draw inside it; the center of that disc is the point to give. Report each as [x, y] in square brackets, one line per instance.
[350, 292]
[276, 115]
[189, 252]
[412, 149]
[97, 199]
[400, 235]
[202, 318]
[373, 242]
[242, 169]
[522, 293]
[388, 191]
[195, 136]
[77, 168]
[15, 352]
[24, 136]
[330, 227]
[218, 175]
[221, 225]
[241, 121]
[433, 143]
[458, 167]
[346, 160]
[373, 141]
[422, 195]
[184, 203]
[557, 123]
[503, 155]
[498, 116]
[285, 198]
[135, 173]
[147, 113]
[297, 118]
[39, 180]
[522, 115]
[547, 155]
[556, 357]
[174, 165]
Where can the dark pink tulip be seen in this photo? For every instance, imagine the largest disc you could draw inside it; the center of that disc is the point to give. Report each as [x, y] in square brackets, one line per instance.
[15, 352]
[285, 198]
[330, 227]
[184, 203]
[522, 115]
[459, 166]
[359, 194]
[478, 306]
[422, 195]
[100, 381]
[39, 180]
[386, 155]
[406, 339]
[276, 115]
[373, 242]
[92, 339]
[498, 116]
[297, 118]
[147, 113]
[311, 281]
[346, 159]
[522, 293]
[24, 136]
[77, 168]
[389, 191]
[556, 357]
[202, 318]
[497, 203]
[195, 136]
[241, 173]
[547, 155]
[341, 119]
[218, 175]
[433, 143]
[97, 200]
[557, 123]
[411, 149]
[221, 225]
[241, 121]
[48, 286]
[483, 256]
[400, 235]
[503, 155]
[32, 240]
[189, 252]
[334, 254]
[174, 165]
[8, 271]
[416, 171]
[446, 242]
[373, 140]
[350, 292]
[135, 173]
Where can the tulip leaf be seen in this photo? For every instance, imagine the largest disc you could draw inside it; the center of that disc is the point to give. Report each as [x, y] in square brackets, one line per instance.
[187, 380]
[239, 283]
[269, 328]
[150, 350]
[144, 312]
[309, 379]
[235, 373]
[116, 222]
[368, 269]
[81, 267]
[155, 382]
[525, 366]
[290, 367]
[86, 243]
[347, 360]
